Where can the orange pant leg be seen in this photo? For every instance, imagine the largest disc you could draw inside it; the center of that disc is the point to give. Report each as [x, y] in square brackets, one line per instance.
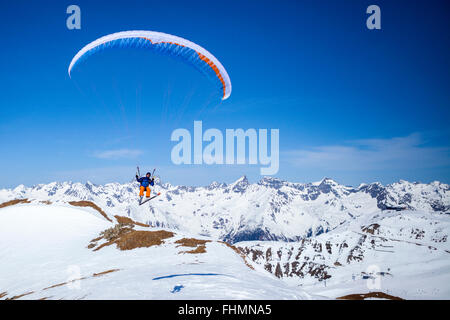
[148, 192]
[141, 191]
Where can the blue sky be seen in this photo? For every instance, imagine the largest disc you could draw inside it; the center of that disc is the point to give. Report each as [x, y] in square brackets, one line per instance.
[352, 104]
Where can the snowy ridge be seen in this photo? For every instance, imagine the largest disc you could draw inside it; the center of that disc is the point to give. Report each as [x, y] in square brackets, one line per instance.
[45, 255]
[271, 209]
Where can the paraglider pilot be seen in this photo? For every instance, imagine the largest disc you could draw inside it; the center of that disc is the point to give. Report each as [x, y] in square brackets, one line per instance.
[145, 182]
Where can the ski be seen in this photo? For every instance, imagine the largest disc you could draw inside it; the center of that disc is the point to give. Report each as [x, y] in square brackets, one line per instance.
[141, 203]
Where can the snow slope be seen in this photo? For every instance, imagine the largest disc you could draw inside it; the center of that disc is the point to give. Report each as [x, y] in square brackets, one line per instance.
[405, 254]
[44, 254]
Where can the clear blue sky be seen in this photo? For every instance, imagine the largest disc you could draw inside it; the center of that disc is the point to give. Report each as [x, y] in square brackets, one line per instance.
[352, 104]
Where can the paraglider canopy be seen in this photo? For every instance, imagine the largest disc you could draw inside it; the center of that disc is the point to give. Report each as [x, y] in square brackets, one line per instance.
[166, 44]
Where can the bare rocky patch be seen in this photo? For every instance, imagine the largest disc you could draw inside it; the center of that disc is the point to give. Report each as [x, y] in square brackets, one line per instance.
[363, 296]
[64, 283]
[20, 296]
[239, 252]
[357, 253]
[199, 245]
[142, 239]
[372, 229]
[127, 220]
[13, 202]
[126, 238]
[82, 278]
[91, 205]
[104, 272]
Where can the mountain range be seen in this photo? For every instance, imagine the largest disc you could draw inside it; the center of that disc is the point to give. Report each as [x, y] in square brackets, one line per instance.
[322, 238]
[270, 209]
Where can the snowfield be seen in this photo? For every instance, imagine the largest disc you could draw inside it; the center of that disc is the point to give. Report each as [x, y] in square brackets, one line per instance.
[291, 241]
[43, 249]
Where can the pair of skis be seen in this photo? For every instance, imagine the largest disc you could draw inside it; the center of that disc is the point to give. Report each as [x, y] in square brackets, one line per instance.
[140, 198]
[147, 200]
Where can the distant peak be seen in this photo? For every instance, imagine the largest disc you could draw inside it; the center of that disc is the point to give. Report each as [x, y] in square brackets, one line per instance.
[242, 180]
[216, 184]
[328, 181]
[268, 178]
[271, 182]
[19, 188]
[240, 184]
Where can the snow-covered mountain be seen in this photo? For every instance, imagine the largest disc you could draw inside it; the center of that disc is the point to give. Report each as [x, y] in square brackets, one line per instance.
[271, 209]
[406, 252]
[51, 251]
[322, 238]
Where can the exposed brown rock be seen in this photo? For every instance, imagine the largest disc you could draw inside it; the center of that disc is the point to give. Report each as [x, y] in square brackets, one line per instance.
[362, 296]
[83, 278]
[328, 247]
[199, 249]
[279, 253]
[64, 283]
[317, 247]
[91, 245]
[198, 244]
[356, 254]
[104, 272]
[372, 229]
[239, 252]
[13, 202]
[142, 239]
[92, 205]
[269, 254]
[286, 269]
[257, 254]
[278, 271]
[97, 239]
[191, 242]
[126, 220]
[126, 238]
[20, 296]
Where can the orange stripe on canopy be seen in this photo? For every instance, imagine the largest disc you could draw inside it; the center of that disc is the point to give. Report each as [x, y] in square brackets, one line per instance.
[202, 57]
